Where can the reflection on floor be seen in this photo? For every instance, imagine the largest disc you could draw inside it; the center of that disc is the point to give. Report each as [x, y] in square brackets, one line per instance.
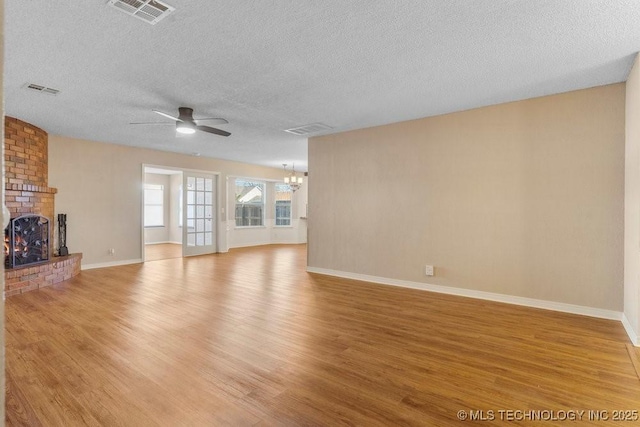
[162, 251]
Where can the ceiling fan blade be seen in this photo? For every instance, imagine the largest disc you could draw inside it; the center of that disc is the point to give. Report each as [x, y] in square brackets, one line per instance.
[213, 130]
[166, 115]
[152, 123]
[213, 120]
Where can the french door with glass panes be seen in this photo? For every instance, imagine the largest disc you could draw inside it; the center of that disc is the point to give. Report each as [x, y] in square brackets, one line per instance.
[199, 213]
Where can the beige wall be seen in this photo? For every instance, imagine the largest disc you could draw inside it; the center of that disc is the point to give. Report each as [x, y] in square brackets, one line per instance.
[632, 202]
[522, 199]
[100, 189]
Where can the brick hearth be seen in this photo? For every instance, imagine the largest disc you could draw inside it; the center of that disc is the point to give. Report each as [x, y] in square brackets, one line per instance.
[27, 191]
[24, 279]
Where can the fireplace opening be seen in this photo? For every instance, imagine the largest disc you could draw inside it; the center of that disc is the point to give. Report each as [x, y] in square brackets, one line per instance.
[26, 241]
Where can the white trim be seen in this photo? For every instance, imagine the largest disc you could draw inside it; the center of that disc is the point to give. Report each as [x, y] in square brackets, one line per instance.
[471, 293]
[633, 336]
[111, 264]
[164, 243]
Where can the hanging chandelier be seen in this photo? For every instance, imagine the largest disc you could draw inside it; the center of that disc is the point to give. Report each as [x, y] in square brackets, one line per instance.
[291, 179]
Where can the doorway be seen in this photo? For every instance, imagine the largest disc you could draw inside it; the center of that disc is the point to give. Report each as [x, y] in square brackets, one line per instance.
[179, 213]
[162, 216]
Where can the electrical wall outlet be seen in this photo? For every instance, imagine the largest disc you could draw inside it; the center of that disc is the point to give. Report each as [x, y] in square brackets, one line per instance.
[112, 251]
[428, 270]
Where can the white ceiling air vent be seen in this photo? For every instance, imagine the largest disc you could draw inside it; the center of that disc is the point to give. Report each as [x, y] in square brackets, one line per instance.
[41, 89]
[309, 129]
[151, 11]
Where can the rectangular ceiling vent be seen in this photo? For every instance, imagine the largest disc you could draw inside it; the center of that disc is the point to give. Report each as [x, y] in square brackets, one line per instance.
[309, 129]
[41, 89]
[151, 11]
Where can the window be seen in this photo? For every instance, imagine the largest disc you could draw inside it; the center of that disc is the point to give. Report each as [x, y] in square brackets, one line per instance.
[249, 203]
[153, 205]
[283, 204]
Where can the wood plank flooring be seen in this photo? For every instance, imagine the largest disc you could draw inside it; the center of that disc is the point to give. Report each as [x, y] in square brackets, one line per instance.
[249, 338]
[155, 252]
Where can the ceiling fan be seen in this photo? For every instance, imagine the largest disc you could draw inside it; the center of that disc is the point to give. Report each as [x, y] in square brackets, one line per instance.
[186, 124]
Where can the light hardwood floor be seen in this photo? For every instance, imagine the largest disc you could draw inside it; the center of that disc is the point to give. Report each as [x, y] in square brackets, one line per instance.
[159, 251]
[249, 338]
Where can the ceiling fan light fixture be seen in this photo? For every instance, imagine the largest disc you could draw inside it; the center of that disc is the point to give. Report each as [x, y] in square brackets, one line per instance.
[185, 128]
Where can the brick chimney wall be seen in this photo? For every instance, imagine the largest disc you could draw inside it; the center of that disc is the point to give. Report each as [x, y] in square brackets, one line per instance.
[27, 170]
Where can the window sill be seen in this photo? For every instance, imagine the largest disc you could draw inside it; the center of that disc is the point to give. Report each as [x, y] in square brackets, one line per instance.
[283, 226]
[154, 226]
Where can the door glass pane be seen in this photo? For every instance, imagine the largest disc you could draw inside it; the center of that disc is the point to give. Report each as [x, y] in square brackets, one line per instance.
[208, 184]
[191, 239]
[191, 223]
[208, 225]
[208, 212]
[200, 184]
[191, 212]
[200, 211]
[191, 183]
[200, 225]
[200, 239]
[208, 198]
[190, 200]
[200, 198]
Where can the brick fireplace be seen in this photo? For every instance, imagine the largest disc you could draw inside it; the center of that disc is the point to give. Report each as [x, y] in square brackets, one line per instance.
[27, 192]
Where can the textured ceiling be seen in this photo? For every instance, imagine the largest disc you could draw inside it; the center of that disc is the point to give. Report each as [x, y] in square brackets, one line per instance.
[267, 66]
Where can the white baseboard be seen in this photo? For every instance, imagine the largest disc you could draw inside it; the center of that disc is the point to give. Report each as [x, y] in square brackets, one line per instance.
[163, 243]
[111, 264]
[471, 293]
[633, 336]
